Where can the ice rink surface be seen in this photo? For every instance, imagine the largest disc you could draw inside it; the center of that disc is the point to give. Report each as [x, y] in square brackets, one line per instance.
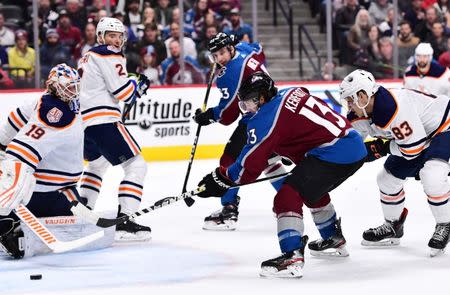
[183, 259]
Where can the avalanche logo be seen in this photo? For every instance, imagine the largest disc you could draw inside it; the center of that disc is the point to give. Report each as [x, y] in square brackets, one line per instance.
[221, 72]
[54, 115]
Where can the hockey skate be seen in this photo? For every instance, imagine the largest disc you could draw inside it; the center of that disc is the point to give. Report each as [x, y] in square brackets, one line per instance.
[287, 265]
[224, 219]
[439, 240]
[132, 231]
[387, 234]
[334, 246]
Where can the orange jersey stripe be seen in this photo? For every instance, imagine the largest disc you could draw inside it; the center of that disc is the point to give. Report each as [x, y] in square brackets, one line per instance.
[127, 92]
[17, 121]
[23, 152]
[90, 116]
[128, 139]
[55, 178]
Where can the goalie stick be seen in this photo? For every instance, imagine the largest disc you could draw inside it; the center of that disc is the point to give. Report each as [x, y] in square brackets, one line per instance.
[82, 211]
[48, 238]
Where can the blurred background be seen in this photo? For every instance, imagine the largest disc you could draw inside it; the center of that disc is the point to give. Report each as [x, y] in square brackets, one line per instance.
[303, 40]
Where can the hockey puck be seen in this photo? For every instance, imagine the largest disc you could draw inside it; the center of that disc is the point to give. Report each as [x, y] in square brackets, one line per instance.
[35, 277]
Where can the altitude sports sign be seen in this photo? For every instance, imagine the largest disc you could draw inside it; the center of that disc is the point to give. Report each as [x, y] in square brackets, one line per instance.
[162, 124]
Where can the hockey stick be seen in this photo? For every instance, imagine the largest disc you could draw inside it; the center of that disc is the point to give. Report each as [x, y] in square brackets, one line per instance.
[190, 201]
[331, 97]
[82, 211]
[48, 238]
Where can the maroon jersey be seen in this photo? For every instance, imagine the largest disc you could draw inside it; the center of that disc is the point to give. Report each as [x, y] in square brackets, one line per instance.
[294, 124]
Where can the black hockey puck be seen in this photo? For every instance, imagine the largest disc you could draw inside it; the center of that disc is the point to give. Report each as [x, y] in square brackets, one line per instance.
[35, 277]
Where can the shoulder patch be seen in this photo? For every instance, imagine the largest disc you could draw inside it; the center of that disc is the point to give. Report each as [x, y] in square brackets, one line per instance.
[384, 109]
[106, 50]
[55, 113]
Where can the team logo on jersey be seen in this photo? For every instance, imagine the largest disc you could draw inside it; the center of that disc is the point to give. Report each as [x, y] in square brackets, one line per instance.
[54, 115]
[221, 72]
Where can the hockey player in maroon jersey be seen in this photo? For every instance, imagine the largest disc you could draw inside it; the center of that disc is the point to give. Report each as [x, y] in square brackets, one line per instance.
[326, 151]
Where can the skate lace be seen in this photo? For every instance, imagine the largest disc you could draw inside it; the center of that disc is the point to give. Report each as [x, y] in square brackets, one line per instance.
[385, 228]
[441, 232]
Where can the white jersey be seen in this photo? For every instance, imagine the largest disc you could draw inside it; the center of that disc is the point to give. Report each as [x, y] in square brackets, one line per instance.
[47, 136]
[409, 117]
[104, 83]
[436, 81]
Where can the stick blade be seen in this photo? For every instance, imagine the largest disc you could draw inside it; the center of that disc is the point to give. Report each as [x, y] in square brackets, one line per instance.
[189, 201]
[60, 247]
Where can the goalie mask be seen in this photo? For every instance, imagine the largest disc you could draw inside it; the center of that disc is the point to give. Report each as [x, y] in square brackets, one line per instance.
[109, 24]
[64, 82]
[253, 88]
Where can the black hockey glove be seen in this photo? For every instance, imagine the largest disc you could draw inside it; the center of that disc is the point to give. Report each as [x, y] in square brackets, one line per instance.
[216, 184]
[204, 118]
[376, 149]
[143, 83]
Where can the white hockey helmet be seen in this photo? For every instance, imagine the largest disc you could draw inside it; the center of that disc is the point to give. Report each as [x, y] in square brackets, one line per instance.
[424, 49]
[109, 24]
[356, 81]
[64, 82]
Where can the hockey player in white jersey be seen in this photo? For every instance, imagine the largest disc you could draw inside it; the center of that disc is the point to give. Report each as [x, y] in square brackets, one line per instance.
[42, 147]
[415, 126]
[105, 83]
[426, 75]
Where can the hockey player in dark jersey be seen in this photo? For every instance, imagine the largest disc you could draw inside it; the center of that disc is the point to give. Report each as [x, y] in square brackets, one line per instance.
[236, 63]
[326, 151]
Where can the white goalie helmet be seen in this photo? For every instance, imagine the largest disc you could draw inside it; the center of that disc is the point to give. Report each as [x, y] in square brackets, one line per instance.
[424, 49]
[64, 82]
[109, 24]
[356, 81]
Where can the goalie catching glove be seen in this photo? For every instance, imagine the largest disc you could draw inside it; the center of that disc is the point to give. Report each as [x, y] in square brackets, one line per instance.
[216, 184]
[376, 149]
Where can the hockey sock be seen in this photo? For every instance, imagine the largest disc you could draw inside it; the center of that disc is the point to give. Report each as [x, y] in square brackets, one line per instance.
[392, 205]
[324, 217]
[131, 187]
[91, 180]
[230, 197]
[290, 231]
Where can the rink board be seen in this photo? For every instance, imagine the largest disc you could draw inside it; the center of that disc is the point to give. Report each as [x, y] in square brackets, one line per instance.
[162, 124]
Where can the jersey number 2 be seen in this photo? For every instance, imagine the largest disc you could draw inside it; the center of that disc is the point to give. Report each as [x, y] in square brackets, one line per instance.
[120, 71]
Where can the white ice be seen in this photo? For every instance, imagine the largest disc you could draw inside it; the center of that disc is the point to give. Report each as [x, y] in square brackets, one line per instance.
[184, 259]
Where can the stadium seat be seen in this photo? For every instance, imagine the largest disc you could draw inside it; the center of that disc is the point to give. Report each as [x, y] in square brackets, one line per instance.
[12, 13]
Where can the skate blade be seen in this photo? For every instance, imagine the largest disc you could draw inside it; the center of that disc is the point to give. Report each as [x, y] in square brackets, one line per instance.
[292, 272]
[436, 252]
[383, 243]
[123, 237]
[332, 252]
[227, 226]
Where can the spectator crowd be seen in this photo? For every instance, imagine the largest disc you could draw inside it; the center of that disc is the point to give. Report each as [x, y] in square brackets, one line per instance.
[153, 48]
[363, 33]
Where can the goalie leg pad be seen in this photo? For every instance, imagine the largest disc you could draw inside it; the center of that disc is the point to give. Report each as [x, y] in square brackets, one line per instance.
[66, 228]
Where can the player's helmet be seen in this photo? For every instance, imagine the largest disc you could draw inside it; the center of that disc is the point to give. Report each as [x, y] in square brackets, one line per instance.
[424, 49]
[219, 41]
[64, 82]
[257, 85]
[356, 81]
[109, 24]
